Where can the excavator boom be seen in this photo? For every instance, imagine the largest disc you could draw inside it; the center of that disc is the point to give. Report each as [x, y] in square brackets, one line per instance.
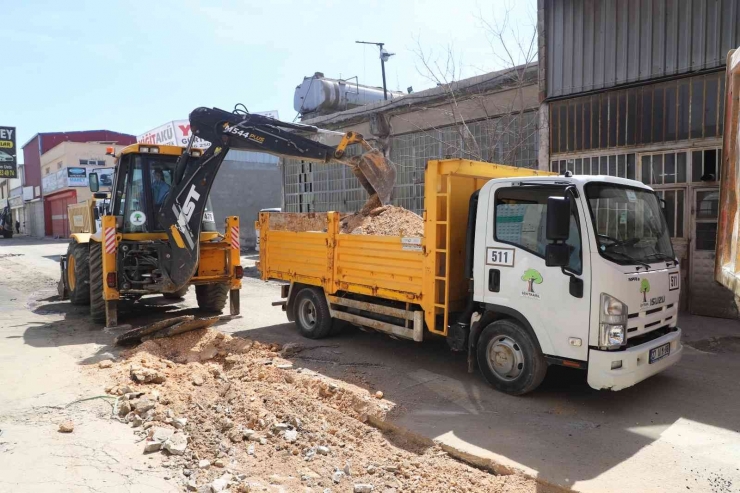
[195, 174]
[264, 134]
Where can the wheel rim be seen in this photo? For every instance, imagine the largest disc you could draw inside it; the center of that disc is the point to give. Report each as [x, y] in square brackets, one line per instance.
[505, 357]
[71, 281]
[307, 314]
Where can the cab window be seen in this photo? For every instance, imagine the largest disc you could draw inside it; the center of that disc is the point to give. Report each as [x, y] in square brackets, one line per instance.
[134, 215]
[521, 219]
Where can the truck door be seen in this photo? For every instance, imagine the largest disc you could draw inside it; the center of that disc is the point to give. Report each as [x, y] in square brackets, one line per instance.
[518, 279]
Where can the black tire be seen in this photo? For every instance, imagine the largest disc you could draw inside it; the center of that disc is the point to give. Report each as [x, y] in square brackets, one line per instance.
[518, 366]
[97, 302]
[311, 313]
[7, 234]
[78, 268]
[212, 297]
[177, 294]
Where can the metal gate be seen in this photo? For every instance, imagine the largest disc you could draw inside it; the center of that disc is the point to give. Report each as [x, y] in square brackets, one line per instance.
[707, 297]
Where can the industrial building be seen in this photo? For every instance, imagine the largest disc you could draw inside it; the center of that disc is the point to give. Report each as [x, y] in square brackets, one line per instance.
[492, 117]
[637, 89]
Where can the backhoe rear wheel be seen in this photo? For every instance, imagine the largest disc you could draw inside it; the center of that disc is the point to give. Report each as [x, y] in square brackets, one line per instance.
[177, 294]
[97, 302]
[212, 297]
[77, 275]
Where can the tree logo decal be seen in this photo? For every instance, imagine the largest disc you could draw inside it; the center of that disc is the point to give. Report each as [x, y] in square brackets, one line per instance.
[532, 277]
[644, 289]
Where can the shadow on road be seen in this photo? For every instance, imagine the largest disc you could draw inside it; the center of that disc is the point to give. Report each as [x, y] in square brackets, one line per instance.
[565, 431]
[76, 328]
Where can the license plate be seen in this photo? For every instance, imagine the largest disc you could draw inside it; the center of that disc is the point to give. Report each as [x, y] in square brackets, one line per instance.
[660, 352]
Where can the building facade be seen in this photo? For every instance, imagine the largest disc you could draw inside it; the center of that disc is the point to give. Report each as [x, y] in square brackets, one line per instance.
[64, 171]
[35, 211]
[636, 89]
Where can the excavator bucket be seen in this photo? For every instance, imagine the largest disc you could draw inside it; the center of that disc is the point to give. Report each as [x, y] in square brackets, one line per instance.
[376, 174]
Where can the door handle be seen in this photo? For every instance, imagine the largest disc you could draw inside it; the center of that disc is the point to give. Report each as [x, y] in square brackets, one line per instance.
[494, 280]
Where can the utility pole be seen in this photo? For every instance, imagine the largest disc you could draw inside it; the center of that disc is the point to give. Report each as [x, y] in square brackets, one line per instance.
[384, 56]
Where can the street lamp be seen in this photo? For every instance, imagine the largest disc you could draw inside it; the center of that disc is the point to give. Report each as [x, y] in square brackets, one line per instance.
[384, 56]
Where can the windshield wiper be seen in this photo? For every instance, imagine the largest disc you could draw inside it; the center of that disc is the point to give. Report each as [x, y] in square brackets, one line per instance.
[662, 256]
[616, 242]
[630, 258]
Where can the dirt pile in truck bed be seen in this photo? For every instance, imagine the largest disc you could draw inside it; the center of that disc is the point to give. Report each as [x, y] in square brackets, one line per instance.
[233, 414]
[387, 220]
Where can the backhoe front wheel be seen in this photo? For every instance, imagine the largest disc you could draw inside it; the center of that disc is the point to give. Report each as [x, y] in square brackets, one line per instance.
[212, 297]
[97, 301]
[77, 275]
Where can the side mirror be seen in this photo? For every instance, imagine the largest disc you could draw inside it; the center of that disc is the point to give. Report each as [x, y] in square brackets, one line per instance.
[92, 180]
[557, 255]
[558, 218]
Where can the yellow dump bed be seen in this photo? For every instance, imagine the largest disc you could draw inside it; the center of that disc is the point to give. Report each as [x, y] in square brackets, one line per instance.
[308, 248]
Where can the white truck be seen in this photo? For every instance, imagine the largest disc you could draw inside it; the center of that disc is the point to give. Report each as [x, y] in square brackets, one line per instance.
[523, 269]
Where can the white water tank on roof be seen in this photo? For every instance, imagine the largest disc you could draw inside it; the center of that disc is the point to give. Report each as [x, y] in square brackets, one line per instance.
[319, 95]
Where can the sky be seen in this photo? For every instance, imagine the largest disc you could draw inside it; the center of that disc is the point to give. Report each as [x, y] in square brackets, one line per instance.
[132, 66]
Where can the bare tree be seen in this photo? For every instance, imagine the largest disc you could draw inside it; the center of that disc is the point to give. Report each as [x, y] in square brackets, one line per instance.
[504, 129]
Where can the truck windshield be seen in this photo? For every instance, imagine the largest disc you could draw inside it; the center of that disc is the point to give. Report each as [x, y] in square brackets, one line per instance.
[629, 224]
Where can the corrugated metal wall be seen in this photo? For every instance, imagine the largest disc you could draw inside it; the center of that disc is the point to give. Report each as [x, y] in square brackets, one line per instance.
[596, 44]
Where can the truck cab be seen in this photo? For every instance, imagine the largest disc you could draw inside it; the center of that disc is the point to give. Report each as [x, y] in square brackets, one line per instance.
[584, 264]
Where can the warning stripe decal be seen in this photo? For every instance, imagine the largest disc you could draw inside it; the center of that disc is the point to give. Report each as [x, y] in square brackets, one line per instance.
[110, 240]
[235, 238]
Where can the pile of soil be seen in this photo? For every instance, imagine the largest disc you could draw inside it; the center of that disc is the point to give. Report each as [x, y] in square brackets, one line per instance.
[255, 423]
[387, 220]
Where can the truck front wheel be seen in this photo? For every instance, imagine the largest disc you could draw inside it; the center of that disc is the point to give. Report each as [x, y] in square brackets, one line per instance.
[312, 313]
[510, 358]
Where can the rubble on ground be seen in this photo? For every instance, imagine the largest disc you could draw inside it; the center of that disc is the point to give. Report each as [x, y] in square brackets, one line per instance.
[231, 414]
[66, 427]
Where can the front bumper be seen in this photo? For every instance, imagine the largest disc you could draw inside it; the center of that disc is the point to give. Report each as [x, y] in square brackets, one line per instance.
[635, 363]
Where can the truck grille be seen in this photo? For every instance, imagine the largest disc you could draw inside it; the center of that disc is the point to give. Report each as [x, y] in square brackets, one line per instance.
[640, 323]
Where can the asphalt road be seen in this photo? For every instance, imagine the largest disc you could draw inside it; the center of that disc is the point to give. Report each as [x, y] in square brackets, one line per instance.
[679, 431]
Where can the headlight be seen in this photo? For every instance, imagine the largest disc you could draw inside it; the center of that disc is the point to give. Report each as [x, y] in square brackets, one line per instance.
[612, 322]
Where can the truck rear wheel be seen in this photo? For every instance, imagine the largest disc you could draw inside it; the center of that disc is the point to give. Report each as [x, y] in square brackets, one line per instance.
[212, 297]
[97, 301]
[509, 358]
[77, 275]
[311, 313]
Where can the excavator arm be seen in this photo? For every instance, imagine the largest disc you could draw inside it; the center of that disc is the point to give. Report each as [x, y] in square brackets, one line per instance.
[182, 211]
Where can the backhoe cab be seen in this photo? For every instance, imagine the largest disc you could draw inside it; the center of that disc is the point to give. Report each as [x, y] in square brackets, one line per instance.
[129, 253]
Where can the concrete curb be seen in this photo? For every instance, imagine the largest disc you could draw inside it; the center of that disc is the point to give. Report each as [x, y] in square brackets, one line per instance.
[475, 460]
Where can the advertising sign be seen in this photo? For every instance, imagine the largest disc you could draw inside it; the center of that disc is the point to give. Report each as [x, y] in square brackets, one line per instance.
[49, 183]
[8, 153]
[177, 133]
[77, 177]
